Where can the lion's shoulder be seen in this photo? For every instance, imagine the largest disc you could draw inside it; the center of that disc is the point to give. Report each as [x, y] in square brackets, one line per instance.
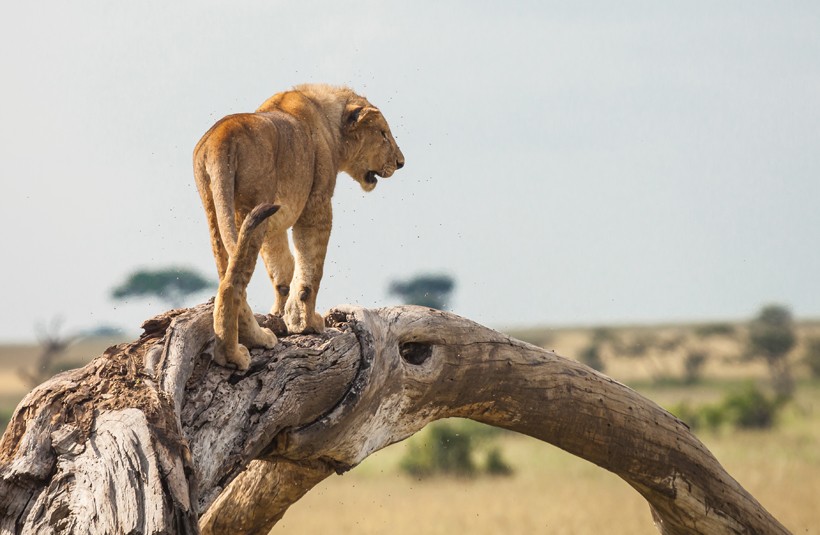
[315, 103]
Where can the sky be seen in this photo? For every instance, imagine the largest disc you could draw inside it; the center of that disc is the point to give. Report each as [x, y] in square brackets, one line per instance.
[567, 162]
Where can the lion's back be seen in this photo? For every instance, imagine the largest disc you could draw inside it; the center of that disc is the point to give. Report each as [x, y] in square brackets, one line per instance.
[251, 129]
[259, 157]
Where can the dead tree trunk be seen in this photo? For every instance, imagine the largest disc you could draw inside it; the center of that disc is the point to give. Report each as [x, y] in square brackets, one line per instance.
[152, 437]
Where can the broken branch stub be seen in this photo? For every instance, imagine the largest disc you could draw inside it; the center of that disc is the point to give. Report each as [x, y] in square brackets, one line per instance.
[193, 440]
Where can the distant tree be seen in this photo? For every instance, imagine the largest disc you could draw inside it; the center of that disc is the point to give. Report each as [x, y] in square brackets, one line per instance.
[426, 290]
[772, 337]
[172, 285]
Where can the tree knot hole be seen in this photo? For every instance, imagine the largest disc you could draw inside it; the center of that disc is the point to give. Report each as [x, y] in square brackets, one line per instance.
[415, 352]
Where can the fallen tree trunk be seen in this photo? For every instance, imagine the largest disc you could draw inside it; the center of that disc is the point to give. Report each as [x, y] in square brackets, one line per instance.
[153, 437]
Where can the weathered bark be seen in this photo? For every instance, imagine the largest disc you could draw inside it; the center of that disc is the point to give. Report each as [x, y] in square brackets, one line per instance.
[153, 437]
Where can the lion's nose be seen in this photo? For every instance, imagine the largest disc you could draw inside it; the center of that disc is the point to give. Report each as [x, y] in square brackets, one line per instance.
[399, 164]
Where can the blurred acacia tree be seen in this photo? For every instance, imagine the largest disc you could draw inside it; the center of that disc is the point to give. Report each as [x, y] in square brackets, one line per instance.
[171, 285]
[772, 337]
[427, 290]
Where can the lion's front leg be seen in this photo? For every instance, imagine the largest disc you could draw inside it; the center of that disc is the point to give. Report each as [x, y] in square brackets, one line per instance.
[310, 238]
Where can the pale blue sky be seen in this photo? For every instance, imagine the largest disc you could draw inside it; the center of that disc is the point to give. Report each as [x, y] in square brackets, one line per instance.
[573, 162]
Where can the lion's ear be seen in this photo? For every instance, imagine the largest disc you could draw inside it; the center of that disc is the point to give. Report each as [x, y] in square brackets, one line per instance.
[352, 114]
[356, 114]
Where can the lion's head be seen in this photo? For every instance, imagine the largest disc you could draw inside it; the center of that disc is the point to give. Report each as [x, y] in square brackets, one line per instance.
[370, 150]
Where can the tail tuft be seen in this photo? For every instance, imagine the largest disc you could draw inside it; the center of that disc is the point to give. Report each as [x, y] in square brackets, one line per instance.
[260, 214]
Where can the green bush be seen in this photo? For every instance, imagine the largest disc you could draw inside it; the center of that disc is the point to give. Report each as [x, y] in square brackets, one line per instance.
[747, 408]
[686, 413]
[496, 465]
[712, 416]
[450, 448]
[752, 408]
[418, 460]
[703, 417]
[446, 452]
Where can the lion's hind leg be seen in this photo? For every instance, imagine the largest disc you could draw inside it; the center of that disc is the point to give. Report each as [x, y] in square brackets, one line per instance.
[232, 315]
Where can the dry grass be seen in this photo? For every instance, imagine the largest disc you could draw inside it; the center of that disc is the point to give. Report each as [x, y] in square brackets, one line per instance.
[548, 494]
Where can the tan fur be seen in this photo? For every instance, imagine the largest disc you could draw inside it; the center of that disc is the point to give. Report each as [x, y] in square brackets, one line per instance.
[289, 152]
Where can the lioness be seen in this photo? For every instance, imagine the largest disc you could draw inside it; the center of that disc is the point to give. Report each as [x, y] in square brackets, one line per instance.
[288, 152]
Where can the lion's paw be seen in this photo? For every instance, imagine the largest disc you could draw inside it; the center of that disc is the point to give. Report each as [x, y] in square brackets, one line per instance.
[301, 322]
[238, 357]
[267, 339]
[259, 337]
[318, 323]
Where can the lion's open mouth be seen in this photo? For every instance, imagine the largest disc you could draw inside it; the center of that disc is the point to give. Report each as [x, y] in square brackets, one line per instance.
[370, 177]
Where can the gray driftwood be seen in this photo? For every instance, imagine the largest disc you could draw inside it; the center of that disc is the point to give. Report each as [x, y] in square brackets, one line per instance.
[153, 437]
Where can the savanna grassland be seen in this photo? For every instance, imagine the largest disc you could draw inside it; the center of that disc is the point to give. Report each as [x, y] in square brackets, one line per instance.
[549, 490]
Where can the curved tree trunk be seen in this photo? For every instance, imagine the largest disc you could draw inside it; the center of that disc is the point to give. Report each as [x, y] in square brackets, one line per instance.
[153, 437]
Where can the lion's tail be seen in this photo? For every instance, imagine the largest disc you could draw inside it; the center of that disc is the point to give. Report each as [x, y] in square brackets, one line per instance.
[214, 170]
[220, 167]
[243, 261]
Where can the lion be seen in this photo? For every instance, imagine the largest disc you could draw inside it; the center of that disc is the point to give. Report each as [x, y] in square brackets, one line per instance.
[289, 152]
